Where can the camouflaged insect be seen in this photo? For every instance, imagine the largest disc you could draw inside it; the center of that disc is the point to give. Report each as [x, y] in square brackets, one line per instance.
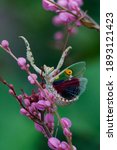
[66, 85]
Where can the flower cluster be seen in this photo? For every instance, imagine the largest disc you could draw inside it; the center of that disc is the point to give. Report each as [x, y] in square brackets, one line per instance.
[40, 106]
[64, 17]
[68, 12]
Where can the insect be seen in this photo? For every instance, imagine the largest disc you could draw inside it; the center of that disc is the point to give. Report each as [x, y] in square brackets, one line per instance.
[67, 85]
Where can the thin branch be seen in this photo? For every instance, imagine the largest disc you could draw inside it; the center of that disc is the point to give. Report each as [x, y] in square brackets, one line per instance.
[86, 20]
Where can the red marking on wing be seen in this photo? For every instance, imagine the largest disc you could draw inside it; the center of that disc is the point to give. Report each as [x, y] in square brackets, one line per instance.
[65, 84]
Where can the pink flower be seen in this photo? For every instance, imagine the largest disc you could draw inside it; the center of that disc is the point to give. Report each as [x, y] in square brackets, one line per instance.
[72, 30]
[27, 102]
[5, 44]
[53, 143]
[32, 108]
[49, 120]
[41, 105]
[57, 21]
[22, 63]
[78, 23]
[64, 146]
[39, 128]
[80, 2]
[63, 3]
[11, 91]
[66, 122]
[67, 133]
[73, 5]
[23, 111]
[32, 78]
[47, 104]
[58, 36]
[66, 17]
[48, 5]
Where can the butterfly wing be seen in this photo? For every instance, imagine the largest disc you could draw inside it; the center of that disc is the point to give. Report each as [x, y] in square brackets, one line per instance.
[71, 88]
[78, 70]
[68, 89]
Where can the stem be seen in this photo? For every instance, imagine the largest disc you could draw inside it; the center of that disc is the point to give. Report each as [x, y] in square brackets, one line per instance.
[47, 131]
[68, 139]
[33, 118]
[66, 40]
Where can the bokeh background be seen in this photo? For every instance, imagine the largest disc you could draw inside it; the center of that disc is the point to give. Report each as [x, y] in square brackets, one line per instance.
[28, 18]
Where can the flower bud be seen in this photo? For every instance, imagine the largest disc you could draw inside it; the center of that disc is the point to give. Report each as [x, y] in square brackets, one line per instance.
[73, 5]
[67, 133]
[66, 17]
[47, 104]
[26, 102]
[48, 5]
[23, 111]
[49, 120]
[66, 122]
[64, 146]
[53, 143]
[39, 128]
[11, 91]
[58, 36]
[63, 3]
[20, 98]
[5, 44]
[22, 63]
[32, 78]
[41, 105]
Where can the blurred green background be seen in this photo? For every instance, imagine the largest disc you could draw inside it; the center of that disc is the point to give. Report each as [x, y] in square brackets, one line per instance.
[28, 18]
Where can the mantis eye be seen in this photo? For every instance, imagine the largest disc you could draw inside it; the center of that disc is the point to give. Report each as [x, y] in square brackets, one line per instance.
[68, 72]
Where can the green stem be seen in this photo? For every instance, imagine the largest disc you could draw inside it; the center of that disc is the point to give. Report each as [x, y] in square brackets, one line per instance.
[68, 139]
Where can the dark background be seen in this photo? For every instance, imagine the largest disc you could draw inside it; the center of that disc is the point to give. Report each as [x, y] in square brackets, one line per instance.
[28, 18]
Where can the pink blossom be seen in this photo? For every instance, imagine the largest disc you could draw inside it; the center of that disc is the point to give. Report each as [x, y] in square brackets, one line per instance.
[72, 30]
[78, 23]
[53, 143]
[66, 17]
[73, 5]
[27, 102]
[57, 21]
[48, 5]
[20, 98]
[64, 146]
[67, 132]
[80, 2]
[66, 122]
[41, 105]
[22, 63]
[58, 35]
[5, 44]
[47, 104]
[23, 111]
[63, 3]
[32, 78]
[11, 91]
[49, 118]
[39, 128]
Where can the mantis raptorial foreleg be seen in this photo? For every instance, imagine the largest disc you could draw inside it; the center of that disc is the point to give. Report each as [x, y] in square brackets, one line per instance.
[29, 56]
[61, 61]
